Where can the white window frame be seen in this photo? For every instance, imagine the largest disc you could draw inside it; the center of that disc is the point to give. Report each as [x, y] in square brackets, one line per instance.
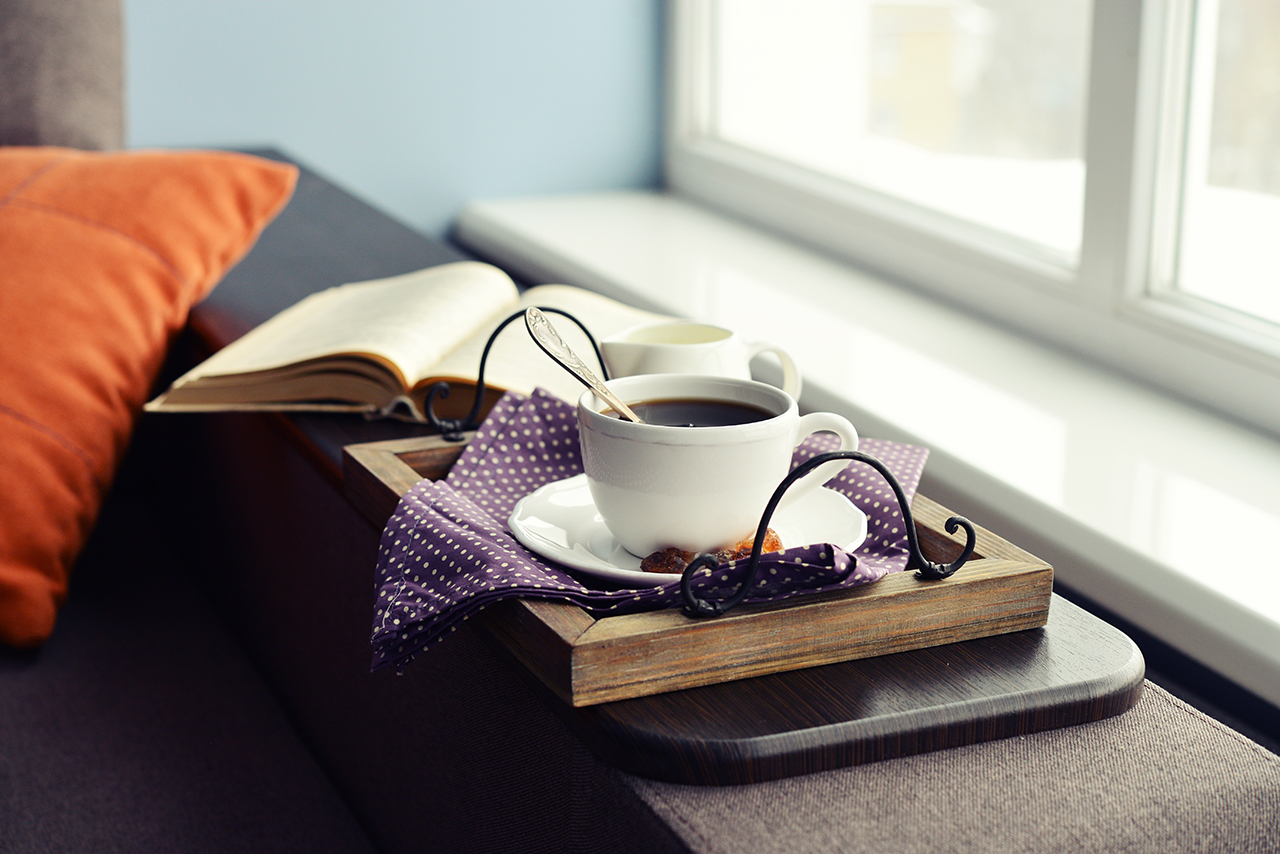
[1112, 306]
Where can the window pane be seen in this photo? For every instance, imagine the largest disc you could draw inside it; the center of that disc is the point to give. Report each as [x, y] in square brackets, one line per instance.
[975, 109]
[1231, 204]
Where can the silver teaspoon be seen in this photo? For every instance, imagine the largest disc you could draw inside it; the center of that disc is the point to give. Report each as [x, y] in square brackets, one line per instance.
[554, 346]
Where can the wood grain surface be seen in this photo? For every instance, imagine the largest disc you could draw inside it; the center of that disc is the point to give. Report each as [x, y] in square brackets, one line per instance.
[1073, 670]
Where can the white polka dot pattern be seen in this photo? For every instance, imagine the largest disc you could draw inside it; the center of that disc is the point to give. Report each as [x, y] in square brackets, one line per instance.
[446, 554]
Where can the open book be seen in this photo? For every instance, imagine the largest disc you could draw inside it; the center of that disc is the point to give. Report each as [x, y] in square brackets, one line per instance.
[378, 347]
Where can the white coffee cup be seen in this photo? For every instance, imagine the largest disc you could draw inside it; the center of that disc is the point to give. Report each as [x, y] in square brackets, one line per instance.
[696, 488]
[682, 347]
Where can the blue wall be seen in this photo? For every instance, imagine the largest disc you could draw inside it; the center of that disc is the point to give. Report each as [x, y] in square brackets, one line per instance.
[414, 105]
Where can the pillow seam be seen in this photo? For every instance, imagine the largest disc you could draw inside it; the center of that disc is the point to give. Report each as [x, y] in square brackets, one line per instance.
[84, 220]
[53, 434]
[26, 182]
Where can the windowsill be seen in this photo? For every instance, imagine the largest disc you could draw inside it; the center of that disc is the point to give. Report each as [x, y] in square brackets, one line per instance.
[1157, 510]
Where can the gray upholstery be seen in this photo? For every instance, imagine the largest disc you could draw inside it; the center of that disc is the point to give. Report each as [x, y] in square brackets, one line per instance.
[141, 726]
[1161, 778]
[61, 73]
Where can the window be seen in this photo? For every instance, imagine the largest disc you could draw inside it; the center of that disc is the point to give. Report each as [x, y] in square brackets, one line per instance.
[1229, 181]
[975, 111]
[1105, 176]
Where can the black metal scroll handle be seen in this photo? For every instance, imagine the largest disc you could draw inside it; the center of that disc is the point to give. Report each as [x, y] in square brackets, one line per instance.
[453, 428]
[695, 607]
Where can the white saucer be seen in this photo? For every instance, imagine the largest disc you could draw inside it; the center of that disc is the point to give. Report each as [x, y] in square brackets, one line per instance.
[559, 521]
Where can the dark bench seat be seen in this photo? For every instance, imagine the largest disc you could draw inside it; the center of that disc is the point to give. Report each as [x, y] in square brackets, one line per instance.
[142, 725]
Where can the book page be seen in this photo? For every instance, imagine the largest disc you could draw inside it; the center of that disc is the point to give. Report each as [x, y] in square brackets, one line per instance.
[410, 320]
[516, 363]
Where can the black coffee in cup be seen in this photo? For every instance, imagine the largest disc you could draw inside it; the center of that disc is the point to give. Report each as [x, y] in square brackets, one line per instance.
[696, 412]
[695, 489]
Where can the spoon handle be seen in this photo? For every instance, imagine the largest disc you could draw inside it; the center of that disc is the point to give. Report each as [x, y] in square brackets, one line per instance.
[555, 346]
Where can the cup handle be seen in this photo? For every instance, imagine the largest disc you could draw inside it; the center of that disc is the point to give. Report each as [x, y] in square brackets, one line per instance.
[790, 373]
[817, 422]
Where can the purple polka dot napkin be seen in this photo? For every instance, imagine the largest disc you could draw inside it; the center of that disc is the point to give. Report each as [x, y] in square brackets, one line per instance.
[446, 552]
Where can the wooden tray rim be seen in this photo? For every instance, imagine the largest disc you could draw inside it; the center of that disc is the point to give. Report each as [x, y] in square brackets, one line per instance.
[565, 636]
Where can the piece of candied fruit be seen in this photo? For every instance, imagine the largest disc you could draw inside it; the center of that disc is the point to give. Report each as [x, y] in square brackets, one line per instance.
[674, 560]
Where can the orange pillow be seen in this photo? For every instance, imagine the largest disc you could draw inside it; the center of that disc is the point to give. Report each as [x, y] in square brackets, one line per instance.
[101, 257]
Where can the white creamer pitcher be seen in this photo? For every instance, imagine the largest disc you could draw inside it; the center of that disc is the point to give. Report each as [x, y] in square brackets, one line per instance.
[682, 347]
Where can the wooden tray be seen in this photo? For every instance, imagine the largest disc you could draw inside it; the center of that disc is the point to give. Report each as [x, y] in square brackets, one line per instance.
[585, 660]
[739, 728]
